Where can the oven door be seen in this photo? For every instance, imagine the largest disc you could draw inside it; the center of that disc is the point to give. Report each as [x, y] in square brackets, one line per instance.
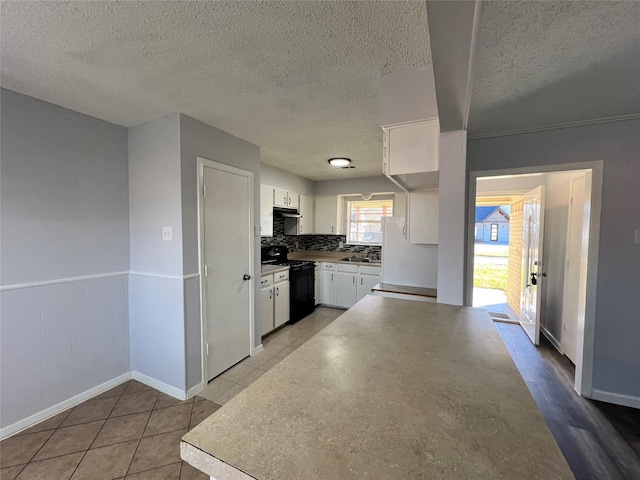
[302, 287]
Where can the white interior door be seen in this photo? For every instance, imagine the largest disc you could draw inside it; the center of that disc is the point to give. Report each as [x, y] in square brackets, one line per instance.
[576, 248]
[227, 257]
[532, 244]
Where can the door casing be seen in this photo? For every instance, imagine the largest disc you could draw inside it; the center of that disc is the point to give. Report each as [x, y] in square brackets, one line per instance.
[585, 345]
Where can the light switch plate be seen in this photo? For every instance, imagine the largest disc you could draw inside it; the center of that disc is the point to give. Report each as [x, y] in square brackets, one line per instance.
[167, 234]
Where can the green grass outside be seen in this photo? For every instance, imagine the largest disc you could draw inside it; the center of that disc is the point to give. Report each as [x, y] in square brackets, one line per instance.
[490, 276]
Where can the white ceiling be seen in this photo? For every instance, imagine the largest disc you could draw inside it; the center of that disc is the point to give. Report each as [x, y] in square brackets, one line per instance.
[549, 63]
[299, 79]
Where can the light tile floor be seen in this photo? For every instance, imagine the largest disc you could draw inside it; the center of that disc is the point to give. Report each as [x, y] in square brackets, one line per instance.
[133, 431]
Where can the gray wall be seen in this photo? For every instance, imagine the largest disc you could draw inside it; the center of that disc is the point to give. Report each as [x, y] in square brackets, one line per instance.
[617, 329]
[64, 213]
[156, 294]
[276, 177]
[154, 196]
[64, 193]
[200, 140]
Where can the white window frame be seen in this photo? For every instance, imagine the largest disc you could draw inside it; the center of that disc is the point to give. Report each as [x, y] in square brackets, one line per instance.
[491, 239]
[347, 216]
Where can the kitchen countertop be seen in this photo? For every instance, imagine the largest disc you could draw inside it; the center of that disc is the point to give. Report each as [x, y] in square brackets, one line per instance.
[392, 389]
[406, 290]
[269, 269]
[321, 256]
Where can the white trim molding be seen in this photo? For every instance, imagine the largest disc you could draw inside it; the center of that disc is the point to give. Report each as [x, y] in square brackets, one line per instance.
[43, 283]
[156, 275]
[554, 341]
[161, 386]
[544, 128]
[618, 399]
[62, 406]
[196, 390]
[257, 350]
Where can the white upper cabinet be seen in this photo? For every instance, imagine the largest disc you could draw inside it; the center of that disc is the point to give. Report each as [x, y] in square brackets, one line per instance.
[266, 211]
[284, 198]
[327, 218]
[411, 148]
[423, 217]
[306, 224]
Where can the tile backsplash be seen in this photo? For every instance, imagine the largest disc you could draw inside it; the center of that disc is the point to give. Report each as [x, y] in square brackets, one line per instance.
[326, 243]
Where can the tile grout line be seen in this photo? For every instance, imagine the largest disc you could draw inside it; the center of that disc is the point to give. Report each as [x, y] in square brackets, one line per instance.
[101, 427]
[140, 439]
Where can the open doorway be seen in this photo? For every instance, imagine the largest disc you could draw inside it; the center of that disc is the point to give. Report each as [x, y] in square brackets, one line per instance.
[541, 269]
[492, 234]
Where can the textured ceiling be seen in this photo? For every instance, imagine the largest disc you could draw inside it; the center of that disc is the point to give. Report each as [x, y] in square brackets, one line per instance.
[548, 63]
[299, 79]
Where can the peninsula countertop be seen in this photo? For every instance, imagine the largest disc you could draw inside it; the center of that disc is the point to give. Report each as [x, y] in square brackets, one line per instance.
[392, 389]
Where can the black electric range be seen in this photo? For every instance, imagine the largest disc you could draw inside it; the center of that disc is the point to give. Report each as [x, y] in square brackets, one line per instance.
[301, 280]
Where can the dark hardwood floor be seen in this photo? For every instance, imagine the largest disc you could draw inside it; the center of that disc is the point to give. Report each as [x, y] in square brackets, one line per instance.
[600, 441]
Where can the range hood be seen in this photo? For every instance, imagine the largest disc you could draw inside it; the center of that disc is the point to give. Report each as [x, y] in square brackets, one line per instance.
[286, 212]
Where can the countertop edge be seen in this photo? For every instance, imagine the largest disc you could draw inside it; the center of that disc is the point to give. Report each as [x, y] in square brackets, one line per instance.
[207, 463]
[405, 290]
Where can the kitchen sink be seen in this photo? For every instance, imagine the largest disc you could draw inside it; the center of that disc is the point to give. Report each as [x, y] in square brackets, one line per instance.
[362, 260]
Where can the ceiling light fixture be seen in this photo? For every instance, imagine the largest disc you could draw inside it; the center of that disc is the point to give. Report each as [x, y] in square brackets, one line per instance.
[339, 162]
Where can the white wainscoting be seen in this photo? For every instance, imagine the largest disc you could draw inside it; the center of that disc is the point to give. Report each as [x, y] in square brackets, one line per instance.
[157, 329]
[60, 339]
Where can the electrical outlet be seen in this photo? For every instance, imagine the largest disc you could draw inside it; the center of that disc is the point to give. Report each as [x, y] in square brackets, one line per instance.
[340, 244]
[167, 234]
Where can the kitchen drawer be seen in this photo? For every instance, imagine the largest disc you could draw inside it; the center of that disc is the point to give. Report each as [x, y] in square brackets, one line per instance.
[369, 270]
[347, 268]
[266, 281]
[329, 266]
[281, 277]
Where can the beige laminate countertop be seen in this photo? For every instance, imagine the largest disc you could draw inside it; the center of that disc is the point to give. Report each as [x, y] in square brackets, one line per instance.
[405, 290]
[392, 389]
[269, 269]
[320, 256]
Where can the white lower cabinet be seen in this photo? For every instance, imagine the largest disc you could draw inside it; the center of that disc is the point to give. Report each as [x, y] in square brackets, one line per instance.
[328, 289]
[274, 301]
[317, 284]
[266, 303]
[365, 284]
[346, 285]
[354, 282]
[281, 298]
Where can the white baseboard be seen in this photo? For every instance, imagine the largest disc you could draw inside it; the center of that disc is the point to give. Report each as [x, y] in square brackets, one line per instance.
[158, 385]
[62, 406]
[554, 341]
[196, 390]
[258, 349]
[616, 398]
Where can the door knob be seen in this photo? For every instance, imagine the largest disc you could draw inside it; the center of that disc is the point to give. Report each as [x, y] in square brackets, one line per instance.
[534, 279]
[246, 277]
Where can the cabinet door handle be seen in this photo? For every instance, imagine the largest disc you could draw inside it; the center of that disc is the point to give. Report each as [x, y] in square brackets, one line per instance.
[285, 200]
[354, 279]
[277, 291]
[270, 293]
[361, 281]
[332, 229]
[289, 203]
[332, 277]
